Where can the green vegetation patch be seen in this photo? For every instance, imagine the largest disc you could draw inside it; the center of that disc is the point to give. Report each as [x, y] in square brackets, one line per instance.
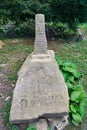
[77, 94]
[13, 48]
[1, 68]
[77, 53]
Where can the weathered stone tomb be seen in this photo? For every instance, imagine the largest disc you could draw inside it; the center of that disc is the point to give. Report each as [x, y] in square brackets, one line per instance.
[40, 90]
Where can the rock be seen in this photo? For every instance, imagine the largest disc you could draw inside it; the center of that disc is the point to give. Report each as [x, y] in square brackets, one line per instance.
[3, 65]
[13, 85]
[1, 95]
[2, 128]
[84, 125]
[41, 124]
[7, 98]
[1, 44]
[58, 123]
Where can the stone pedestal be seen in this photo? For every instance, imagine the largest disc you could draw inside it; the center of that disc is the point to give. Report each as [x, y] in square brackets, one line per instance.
[40, 44]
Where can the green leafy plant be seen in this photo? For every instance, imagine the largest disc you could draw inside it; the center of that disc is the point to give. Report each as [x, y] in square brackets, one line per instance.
[59, 30]
[6, 114]
[0, 68]
[31, 128]
[49, 128]
[77, 94]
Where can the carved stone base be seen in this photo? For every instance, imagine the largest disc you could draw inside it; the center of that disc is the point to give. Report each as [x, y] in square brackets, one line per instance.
[52, 123]
[58, 123]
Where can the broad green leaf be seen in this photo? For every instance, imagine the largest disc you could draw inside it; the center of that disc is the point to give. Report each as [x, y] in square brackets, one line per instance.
[71, 78]
[31, 128]
[77, 74]
[72, 108]
[14, 127]
[83, 95]
[69, 64]
[75, 123]
[75, 95]
[68, 69]
[65, 75]
[77, 117]
[70, 86]
[83, 108]
[73, 71]
[78, 87]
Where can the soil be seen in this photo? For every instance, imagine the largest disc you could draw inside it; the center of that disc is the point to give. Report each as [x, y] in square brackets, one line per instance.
[5, 90]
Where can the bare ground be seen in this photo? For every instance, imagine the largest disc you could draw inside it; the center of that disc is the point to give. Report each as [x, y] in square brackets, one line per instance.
[5, 90]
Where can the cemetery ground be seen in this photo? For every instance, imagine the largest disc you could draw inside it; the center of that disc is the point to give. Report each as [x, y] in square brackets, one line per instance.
[12, 56]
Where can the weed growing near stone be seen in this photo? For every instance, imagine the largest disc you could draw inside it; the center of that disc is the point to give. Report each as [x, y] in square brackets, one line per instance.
[77, 105]
[77, 53]
[6, 114]
[0, 68]
[31, 128]
[15, 67]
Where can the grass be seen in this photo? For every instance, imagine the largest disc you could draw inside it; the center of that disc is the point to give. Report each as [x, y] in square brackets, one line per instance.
[1, 68]
[77, 53]
[6, 114]
[11, 50]
[14, 55]
[84, 25]
[15, 66]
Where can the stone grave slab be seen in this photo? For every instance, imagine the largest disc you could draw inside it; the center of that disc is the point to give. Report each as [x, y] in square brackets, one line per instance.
[40, 91]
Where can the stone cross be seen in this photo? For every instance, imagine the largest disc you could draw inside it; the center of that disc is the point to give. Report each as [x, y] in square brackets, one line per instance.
[40, 45]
